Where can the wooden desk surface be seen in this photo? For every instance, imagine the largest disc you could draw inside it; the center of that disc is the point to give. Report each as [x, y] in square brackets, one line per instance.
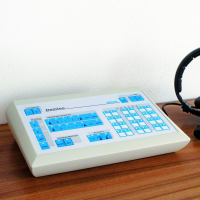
[170, 176]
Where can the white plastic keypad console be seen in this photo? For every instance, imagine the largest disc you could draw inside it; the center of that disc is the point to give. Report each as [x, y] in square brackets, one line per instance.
[71, 132]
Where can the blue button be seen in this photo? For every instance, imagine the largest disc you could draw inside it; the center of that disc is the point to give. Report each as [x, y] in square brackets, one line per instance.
[94, 116]
[98, 137]
[64, 119]
[68, 126]
[98, 122]
[52, 128]
[40, 138]
[79, 117]
[60, 127]
[28, 112]
[49, 121]
[123, 100]
[83, 124]
[107, 135]
[132, 98]
[86, 116]
[37, 131]
[36, 110]
[139, 98]
[72, 118]
[34, 124]
[76, 125]
[44, 145]
[60, 143]
[92, 138]
[57, 120]
[68, 142]
[90, 123]
[102, 136]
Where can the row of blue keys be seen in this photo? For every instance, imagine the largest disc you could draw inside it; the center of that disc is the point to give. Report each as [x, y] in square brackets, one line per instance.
[75, 125]
[73, 118]
[39, 135]
[32, 111]
[99, 137]
[64, 142]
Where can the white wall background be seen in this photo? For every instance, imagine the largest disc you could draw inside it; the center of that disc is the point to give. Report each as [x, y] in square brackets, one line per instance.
[59, 47]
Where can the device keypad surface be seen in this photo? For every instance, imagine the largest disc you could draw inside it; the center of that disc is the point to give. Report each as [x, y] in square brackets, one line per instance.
[77, 123]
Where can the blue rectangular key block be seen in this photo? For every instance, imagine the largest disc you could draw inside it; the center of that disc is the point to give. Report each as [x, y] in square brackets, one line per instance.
[139, 98]
[76, 125]
[37, 131]
[44, 145]
[40, 138]
[52, 128]
[64, 119]
[57, 120]
[123, 100]
[83, 124]
[86, 116]
[107, 135]
[91, 138]
[72, 118]
[36, 111]
[91, 123]
[60, 143]
[98, 122]
[68, 142]
[49, 122]
[34, 124]
[60, 127]
[68, 126]
[28, 112]
[94, 116]
[132, 98]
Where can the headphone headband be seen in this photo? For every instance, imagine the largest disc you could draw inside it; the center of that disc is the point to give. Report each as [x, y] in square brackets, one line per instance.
[178, 81]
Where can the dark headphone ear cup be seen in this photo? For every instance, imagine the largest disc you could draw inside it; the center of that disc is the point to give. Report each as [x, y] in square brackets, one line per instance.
[197, 102]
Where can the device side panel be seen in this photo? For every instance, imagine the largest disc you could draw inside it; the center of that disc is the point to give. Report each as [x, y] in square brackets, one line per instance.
[19, 132]
[107, 159]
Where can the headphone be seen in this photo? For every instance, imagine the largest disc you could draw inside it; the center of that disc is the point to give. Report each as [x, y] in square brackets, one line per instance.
[178, 88]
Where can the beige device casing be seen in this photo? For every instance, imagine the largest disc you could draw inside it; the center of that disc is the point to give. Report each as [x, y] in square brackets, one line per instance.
[81, 158]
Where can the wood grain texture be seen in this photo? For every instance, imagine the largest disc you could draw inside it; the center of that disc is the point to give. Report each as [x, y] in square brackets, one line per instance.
[170, 176]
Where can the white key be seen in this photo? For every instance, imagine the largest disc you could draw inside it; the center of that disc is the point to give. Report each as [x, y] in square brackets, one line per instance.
[132, 111]
[119, 120]
[135, 124]
[159, 121]
[112, 120]
[117, 127]
[147, 130]
[142, 110]
[149, 109]
[142, 123]
[125, 112]
[165, 127]
[147, 116]
[115, 113]
[122, 134]
[108, 115]
[158, 128]
[154, 115]
[152, 122]
[129, 133]
[137, 117]
[124, 126]
[130, 118]
[140, 131]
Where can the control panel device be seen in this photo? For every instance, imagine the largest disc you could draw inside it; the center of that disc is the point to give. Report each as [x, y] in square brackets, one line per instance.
[71, 132]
